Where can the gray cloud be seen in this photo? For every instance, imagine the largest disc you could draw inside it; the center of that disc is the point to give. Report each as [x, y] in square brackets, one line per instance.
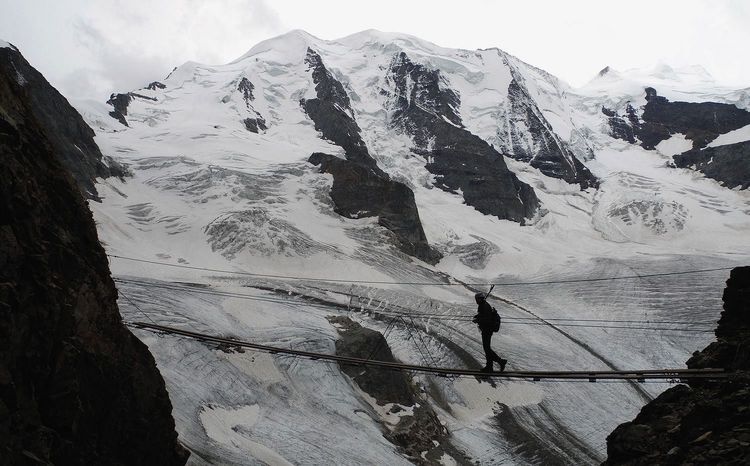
[88, 49]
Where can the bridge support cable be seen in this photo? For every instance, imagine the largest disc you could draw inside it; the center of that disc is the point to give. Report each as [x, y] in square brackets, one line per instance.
[381, 340]
[686, 327]
[448, 282]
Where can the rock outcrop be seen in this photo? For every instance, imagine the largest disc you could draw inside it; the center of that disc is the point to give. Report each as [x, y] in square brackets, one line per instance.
[622, 126]
[461, 161]
[703, 423]
[729, 164]
[418, 434]
[71, 139]
[256, 123]
[121, 102]
[701, 122]
[529, 137]
[76, 387]
[360, 188]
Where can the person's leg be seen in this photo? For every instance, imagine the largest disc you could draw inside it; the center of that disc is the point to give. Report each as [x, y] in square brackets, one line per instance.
[489, 354]
[487, 345]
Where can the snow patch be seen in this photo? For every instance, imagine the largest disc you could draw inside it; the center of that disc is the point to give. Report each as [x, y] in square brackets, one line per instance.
[732, 137]
[233, 426]
[676, 144]
[480, 399]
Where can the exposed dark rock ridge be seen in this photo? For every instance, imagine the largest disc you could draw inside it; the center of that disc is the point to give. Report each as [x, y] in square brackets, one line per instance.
[729, 164]
[360, 192]
[246, 87]
[76, 387]
[332, 114]
[156, 85]
[258, 123]
[660, 119]
[254, 125]
[732, 348]
[703, 423]
[548, 153]
[360, 342]
[121, 102]
[71, 139]
[415, 434]
[459, 159]
[621, 127]
[360, 188]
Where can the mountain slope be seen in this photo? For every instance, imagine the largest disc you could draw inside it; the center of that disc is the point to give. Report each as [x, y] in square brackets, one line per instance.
[379, 173]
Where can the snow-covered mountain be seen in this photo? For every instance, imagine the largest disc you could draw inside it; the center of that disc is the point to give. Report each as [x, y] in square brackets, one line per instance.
[382, 160]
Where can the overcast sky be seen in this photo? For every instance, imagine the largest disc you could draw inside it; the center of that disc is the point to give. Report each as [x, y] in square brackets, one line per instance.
[90, 48]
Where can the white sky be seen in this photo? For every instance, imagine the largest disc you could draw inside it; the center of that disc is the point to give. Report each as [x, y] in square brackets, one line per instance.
[90, 48]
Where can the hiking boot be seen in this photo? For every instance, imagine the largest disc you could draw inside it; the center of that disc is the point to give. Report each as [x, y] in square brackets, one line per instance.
[503, 362]
[486, 368]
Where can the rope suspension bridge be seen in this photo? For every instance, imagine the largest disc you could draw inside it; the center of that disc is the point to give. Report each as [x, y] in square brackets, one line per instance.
[668, 375]
[631, 376]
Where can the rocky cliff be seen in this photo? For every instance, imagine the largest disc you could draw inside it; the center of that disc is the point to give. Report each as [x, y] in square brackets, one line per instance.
[360, 188]
[729, 164]
[700, 122]
[408, 421]
[459, 160]
[700, 423]
[76, 387]
[70, 138]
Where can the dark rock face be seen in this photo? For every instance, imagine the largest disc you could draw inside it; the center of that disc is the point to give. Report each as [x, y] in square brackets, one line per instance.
[700, 122]
[121, 102]
[622, 127]
[361, 342]
[728, 164]
[706, 422]
[71, 138]
[360, 192]
[360, 187]
[732, 348]
[413, 434]
[332, 114]
[156, 85]
[246, 87]
[459, 159]
[255, 124]
[549, 154]
[76, 387]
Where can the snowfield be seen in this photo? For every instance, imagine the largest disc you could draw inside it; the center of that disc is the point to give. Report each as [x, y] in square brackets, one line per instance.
[207, 193]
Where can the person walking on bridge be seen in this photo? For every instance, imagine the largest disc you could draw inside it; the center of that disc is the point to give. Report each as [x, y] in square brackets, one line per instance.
[488, 321]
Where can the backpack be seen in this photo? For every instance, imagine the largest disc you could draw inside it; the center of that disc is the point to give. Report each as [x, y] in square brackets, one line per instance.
[496, 320]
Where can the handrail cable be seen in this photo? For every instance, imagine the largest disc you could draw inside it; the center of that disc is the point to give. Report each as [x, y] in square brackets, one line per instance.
[465, 318]
[383, 282]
